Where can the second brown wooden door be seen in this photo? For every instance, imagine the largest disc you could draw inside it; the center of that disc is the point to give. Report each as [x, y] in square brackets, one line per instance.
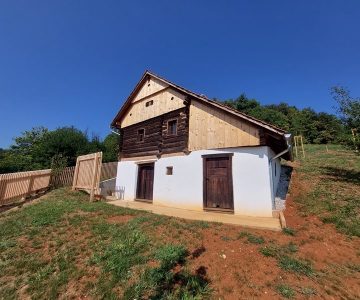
[218, 188]
[145, 182]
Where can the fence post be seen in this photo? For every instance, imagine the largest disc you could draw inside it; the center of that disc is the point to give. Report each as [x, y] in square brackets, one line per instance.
[94, 177]
[75, 173]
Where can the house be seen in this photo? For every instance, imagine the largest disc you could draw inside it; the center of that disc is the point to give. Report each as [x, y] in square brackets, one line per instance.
[180, 149]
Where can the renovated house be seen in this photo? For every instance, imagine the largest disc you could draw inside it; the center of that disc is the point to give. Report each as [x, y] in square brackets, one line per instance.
[181, 149]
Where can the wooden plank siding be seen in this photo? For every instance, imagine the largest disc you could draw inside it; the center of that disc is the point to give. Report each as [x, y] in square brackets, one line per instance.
[211, 128]
[156, 140]
[163, 101]
[151, 86]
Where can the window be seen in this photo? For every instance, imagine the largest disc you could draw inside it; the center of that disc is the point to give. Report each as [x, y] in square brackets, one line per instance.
[275, 169]
[141, 135]
[172, 127]
[169, 170]
[148, 103]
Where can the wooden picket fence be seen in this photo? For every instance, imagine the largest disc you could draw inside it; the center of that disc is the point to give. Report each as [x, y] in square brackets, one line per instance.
[14, 186]
[64, 178]
[108, 170]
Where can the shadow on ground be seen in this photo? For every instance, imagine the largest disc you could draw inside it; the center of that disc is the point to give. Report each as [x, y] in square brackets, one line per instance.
[340, 174]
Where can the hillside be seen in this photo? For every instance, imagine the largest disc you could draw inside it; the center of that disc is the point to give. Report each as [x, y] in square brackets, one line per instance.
[63, 246]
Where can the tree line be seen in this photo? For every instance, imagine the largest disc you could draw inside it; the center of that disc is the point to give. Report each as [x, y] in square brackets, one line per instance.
[40, 148]
[315, 127]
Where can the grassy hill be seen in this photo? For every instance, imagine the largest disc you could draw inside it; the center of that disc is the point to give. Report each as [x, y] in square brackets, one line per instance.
[330, 186]
[65, 247]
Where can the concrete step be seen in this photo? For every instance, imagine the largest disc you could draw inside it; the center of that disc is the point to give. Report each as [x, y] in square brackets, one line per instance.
[272, 223]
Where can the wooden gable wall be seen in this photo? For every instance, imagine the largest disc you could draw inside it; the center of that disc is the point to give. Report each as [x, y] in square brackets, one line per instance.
[211, 128]
[164, 100]
[151, 86]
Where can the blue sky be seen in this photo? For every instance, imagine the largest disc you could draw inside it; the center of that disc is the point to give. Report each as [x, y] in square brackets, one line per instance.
[74, 62]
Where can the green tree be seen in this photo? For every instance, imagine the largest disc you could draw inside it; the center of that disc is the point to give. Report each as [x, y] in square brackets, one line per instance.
[68, 141]
[349, 111]
[348, 107]
[111, 147]
[315, 127]
[22, 155]
[243, 104]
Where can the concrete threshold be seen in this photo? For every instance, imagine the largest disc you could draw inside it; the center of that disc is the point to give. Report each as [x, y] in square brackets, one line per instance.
[245, 221]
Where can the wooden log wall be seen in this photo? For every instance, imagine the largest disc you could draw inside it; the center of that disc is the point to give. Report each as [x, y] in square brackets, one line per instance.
[156, 139]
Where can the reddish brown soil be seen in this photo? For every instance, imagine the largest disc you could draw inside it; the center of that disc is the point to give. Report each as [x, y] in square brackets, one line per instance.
[237, 270]
[233, 266]
[119, 219]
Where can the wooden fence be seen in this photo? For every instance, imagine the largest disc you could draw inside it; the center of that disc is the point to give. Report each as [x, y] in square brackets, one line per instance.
[87, 173]
[14, 186]
[63, 178]
[108, 170]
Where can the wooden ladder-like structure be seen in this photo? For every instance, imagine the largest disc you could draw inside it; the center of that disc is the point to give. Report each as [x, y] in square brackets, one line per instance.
[299, 145]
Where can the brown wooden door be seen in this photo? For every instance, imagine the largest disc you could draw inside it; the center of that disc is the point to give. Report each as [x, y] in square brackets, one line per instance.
[145, 182]
[218, 187]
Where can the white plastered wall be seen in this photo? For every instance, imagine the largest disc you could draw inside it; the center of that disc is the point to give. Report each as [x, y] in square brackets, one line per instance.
[184, 189]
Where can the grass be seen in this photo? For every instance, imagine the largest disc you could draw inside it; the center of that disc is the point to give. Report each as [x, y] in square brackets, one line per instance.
[285, 291]
[295, 265]
[286, 259]
[332, 181]
[288, 231]
[251, 238]
[65, 241]
[66, 247]
[162, 283]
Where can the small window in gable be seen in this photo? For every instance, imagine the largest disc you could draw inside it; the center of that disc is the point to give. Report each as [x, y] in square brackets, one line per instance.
[148, 103]
[141, 135]
[172, 127]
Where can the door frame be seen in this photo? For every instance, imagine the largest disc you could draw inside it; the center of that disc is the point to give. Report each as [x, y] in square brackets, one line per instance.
[230, 182]
[137, 181]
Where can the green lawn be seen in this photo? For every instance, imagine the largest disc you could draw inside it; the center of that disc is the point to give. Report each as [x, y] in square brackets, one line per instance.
[331, 178]
[65, 243]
